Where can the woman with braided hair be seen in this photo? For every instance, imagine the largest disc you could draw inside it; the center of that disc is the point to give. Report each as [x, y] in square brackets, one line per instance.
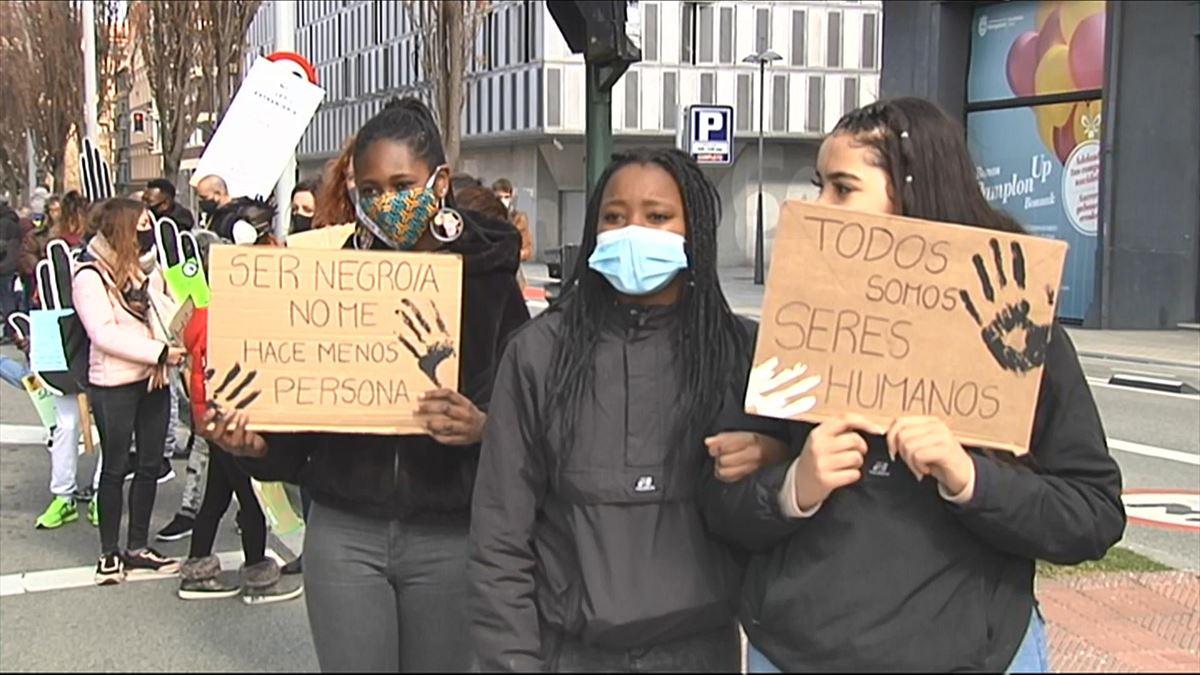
[879, 570]
[386, 536]
[588, 552]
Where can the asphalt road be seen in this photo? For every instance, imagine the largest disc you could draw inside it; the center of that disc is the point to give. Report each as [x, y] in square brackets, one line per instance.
[77, 626]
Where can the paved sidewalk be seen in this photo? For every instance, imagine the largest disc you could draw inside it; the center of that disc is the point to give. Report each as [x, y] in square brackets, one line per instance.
[1123, 622]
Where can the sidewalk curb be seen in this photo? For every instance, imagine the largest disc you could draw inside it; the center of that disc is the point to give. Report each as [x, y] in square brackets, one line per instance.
[1138, 360]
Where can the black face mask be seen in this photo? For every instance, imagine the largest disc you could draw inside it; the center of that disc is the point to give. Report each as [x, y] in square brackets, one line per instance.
[301, 223]
[145, 241]
[160, 209]
[208, 206]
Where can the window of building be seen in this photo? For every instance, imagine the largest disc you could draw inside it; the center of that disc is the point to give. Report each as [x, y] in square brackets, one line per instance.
[762, 29]
[833, 58]
[816, 104]
[670, 101]
[705, 30]
[529, 19]
[708, 86]
[869, 57]
[687, 33]
[743, 111]
[553, 97]
[799, 38]
[849, 94]
[512, 110]
[779, 103]
[727, 36]
[650, 32]
[528, 98]
[632, 100]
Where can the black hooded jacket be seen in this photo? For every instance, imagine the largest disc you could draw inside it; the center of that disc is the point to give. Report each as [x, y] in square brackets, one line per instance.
[889, 576]
[415, 477]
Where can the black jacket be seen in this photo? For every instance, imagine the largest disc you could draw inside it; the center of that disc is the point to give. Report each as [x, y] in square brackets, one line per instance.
[602, 541]
[182, 217]
[10, 242]
[415, 477]
[887, 575]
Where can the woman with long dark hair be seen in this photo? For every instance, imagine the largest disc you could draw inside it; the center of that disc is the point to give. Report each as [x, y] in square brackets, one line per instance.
[385, 545]
[874, 571]
[127, 378]
[588, 552]
[73, 223]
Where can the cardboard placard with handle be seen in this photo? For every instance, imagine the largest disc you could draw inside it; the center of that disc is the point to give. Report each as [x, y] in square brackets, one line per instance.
[888, 316]
[331, 340]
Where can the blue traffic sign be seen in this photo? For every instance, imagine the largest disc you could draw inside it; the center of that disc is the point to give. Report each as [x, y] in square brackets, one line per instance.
[710, 134]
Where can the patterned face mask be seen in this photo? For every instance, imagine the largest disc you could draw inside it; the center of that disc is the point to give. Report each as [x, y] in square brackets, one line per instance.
[399, 218]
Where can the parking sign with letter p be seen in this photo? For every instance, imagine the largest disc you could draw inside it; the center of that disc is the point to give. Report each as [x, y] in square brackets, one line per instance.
[710, 134]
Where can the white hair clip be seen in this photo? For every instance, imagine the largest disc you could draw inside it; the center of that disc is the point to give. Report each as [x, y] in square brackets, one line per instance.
[904, 134]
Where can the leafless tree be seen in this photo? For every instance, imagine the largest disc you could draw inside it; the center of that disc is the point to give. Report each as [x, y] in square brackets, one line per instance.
[447, 30]
[166, 32]
[223, 38]
[42, 80]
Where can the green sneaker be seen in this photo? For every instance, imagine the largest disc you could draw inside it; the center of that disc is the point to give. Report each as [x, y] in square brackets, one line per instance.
[60, 512]
[93, 514]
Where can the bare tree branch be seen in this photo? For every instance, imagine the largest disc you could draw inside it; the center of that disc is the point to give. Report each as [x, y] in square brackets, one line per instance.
[166, 33]
[446, 32]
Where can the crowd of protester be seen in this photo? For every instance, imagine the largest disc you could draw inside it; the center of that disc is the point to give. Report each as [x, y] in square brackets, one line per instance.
[591, 496]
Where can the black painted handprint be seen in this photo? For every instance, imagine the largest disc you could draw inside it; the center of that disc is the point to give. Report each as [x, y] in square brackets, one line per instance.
[428, 347]
[232, 391]
[1016, 342]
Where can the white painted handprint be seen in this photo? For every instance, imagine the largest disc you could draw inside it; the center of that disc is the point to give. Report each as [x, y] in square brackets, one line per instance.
[780, 394]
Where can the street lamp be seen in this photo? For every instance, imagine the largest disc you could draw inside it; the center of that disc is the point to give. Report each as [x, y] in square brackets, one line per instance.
[762, 59]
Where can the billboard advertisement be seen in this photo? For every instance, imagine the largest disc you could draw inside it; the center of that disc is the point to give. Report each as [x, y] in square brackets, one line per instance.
[1052, 194]
[1024, 49]
[1041, 163]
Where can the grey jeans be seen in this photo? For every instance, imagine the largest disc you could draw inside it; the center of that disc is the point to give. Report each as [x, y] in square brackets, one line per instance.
[386, 595]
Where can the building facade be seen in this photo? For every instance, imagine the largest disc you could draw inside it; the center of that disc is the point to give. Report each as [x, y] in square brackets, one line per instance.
[524, 115]
[1105, 94]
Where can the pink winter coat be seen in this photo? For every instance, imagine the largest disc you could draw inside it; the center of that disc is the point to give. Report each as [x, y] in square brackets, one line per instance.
[123, 348]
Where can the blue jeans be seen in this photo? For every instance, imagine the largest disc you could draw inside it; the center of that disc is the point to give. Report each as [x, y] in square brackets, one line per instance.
[1033, 656]
[11, 371]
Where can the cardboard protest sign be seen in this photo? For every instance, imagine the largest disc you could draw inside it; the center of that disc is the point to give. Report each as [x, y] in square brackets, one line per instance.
[333, 236]
[267, 117]
[345, 341]
[888, 316]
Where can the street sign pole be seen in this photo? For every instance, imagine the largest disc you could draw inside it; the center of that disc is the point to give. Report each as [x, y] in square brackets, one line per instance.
[285, 41]
[88, 24]
[599, 124]
[759, 274]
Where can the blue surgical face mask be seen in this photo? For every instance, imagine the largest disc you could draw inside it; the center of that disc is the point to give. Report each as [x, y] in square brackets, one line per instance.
[638, 260]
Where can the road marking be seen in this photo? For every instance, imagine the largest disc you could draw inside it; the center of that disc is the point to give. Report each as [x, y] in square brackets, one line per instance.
[1151, 451]
[21, 583]
[1166, 509]
[23, 434]
[1105, 384]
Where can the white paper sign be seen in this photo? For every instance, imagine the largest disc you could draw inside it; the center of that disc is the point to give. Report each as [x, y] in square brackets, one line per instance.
[260, 130]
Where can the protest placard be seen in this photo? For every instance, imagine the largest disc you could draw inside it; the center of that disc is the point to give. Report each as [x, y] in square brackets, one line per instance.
[266, 118]
[346, 341]
[888, 316]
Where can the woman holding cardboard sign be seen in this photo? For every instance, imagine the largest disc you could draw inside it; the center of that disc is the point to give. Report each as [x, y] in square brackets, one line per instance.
[861, 567]
[588, 553]
[385, 547]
